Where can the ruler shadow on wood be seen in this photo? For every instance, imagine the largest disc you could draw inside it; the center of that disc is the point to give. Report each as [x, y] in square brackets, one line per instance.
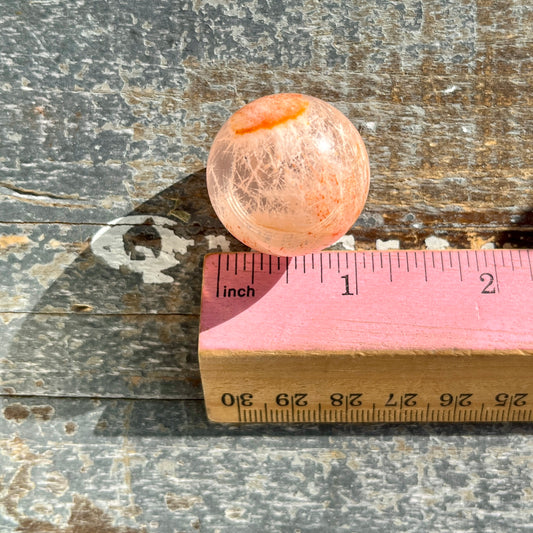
[186, 418]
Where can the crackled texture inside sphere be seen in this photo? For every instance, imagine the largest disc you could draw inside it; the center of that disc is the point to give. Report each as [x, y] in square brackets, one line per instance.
[288, 174]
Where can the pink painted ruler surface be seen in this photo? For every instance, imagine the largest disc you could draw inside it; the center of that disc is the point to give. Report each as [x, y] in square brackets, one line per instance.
[396, 336]
[463, 301]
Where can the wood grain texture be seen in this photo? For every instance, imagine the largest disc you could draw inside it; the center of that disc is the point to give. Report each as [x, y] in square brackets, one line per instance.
[130, 466]
[107, 113]
[436, 91]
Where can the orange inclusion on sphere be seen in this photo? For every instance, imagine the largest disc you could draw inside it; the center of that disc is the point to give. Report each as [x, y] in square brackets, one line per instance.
[268, 112]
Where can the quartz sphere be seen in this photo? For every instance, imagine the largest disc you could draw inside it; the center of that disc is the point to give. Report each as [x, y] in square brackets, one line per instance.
[288, 174]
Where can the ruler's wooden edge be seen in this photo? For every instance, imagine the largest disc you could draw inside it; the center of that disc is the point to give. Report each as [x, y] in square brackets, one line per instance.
[264, 377]
[456, 352]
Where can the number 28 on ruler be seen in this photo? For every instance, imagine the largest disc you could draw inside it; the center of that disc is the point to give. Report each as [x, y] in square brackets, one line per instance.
[368, 336]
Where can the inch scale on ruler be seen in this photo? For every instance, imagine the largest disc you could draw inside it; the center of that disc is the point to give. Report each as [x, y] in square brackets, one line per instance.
[397, 336]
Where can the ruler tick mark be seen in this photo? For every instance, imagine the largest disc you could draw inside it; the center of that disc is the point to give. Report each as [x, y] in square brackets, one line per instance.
[292, 407]
[496, 271]
[346, 408]
[356, 280]
[253, 268]
[510, 407]
[218, 277]
[239, 414]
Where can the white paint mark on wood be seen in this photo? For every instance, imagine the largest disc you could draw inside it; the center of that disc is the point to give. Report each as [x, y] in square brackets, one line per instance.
[347, 242]
[218, 242]
[123, 244]
[451, 89]
[392, 244]
[370, 126]
[436, 243]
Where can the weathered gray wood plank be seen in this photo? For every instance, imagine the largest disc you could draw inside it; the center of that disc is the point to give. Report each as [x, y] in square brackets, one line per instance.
[123, 466]
[135, 355]
[437, 91]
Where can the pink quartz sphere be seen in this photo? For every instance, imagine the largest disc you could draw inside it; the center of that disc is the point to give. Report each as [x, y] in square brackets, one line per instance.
[288, 174]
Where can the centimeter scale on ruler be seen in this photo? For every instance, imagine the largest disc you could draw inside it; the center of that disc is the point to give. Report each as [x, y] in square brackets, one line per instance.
[399, 336]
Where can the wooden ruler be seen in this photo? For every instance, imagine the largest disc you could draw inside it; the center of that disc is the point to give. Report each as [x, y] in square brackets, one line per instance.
[399, 336]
